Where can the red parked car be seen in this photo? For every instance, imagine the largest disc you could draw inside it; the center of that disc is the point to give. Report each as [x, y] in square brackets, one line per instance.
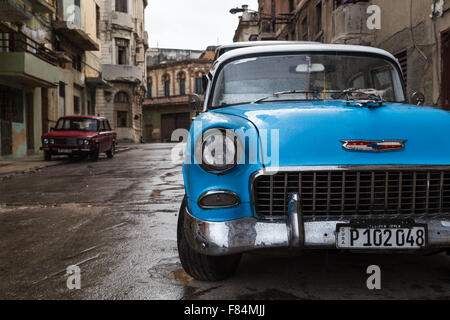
[81, 136]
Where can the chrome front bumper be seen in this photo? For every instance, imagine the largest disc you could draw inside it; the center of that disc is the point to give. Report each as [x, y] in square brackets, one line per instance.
[247, 234]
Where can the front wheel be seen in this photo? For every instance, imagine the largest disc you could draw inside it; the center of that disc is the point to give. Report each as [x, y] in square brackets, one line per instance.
[95, 154]
[200, 266]
[110, 153]
[47, 156]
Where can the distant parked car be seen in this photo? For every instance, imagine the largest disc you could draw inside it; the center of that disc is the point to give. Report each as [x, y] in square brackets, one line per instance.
[80, 136]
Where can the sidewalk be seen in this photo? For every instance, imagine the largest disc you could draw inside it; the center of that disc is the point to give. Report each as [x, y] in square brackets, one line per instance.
[33, 163]
[27, 164]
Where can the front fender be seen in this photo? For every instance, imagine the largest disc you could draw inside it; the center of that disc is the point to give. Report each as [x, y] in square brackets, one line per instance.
[198, 181]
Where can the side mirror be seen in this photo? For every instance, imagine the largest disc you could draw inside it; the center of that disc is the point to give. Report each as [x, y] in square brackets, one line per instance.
[418, 98]
[205, 82]
[195, 102]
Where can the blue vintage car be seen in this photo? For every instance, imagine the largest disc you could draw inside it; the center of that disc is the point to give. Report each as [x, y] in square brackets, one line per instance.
[311, 146]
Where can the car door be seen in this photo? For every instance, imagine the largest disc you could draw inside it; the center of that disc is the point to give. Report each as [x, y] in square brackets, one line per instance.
[103, 137]
[111, 134]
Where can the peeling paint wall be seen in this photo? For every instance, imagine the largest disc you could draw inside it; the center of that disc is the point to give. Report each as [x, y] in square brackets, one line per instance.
[19, 139]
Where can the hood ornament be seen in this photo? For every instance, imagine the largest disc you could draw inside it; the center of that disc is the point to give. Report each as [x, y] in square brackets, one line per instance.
[373, 145]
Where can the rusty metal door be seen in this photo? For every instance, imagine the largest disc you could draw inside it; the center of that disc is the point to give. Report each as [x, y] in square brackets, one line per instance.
[171, 122]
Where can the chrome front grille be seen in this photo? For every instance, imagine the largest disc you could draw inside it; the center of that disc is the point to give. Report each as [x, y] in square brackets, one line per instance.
[355, 192]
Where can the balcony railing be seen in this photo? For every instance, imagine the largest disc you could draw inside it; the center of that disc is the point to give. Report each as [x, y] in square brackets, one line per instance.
[19, 42]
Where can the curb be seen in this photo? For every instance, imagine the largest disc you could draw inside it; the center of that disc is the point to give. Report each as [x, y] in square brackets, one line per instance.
[10, 175]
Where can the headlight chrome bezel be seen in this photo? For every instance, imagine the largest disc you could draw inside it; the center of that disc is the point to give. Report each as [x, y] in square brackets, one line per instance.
[229, 137]
[84, 142]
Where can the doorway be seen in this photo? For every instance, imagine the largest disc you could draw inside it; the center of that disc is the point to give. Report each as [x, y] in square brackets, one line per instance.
[172, 121]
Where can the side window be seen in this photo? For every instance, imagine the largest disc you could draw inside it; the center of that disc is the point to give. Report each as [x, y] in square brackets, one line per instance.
[107, 126]
[102, 125]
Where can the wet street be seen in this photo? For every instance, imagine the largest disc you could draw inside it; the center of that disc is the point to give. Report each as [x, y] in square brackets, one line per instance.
[117, 218]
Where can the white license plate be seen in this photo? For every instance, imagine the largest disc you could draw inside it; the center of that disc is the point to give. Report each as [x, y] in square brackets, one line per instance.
[383, 236]
[65, 150]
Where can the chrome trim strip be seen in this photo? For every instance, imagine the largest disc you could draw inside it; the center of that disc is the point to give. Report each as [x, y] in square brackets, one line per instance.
[213, 192]
[272, 170]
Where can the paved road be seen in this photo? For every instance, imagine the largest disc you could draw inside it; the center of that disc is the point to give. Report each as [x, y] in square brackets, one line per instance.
[117, 219]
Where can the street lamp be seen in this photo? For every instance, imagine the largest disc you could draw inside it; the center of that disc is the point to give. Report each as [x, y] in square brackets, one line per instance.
[284, 17]
[243, 9]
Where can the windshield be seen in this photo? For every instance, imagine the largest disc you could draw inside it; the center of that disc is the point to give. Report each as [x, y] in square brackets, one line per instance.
[78, 124]
[261, 78]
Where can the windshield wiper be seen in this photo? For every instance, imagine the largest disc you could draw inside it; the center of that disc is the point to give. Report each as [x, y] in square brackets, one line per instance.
[371, 97]
[277, 94]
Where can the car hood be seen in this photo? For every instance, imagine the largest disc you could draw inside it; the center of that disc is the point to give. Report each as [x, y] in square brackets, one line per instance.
[310, 133]
[70, 134]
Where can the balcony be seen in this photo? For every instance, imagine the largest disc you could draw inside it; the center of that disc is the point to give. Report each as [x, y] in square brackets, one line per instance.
[350, 25]
[26, 61]
[43, 6]
[122, 20]
[122, 73]
[15, 10]
[75, 35]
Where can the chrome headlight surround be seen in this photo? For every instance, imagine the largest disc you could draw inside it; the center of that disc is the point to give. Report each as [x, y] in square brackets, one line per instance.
[218, 150]
[84, 142]
[45, 141]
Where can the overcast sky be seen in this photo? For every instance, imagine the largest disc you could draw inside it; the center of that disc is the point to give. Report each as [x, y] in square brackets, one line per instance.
[192, 24]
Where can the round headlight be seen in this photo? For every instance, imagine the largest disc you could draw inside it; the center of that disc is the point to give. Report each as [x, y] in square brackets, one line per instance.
[45, 141]
[217, 150]
[86, 142]
[52, 141]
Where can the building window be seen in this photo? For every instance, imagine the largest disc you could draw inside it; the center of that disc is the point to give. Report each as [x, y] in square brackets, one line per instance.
[291, 6]
[97, 20]
[149, 88]
[122, 51]
[182, 83]
[122, 119]
[76, 105]
[199, 83]
[166, 82]
[76, 62]
[122, 5]
[121, 97]
[62, 89]
[318, 17]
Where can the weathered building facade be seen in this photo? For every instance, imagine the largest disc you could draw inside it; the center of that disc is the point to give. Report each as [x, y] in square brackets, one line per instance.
[416, 32]
[248, 27]
[124, 44]
[172, 76]
[48, 48]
